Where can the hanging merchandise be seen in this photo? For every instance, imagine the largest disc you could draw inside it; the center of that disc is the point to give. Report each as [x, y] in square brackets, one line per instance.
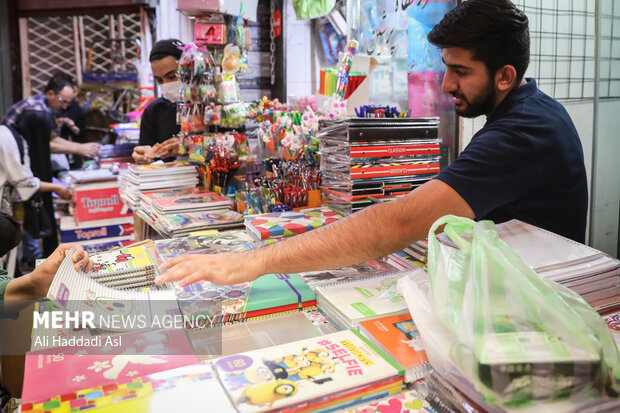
[311, 9]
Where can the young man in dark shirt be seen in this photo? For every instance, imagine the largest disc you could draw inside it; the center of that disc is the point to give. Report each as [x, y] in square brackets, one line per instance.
[158, 124]
[525, 163]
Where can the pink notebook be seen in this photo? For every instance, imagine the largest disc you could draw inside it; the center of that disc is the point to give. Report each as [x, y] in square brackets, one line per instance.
[49, 373]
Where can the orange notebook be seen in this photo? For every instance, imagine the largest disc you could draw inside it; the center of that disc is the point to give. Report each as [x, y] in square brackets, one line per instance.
[399, 337]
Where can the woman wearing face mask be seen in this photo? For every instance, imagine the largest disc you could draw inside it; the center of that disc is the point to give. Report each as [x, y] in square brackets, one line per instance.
[158, 124]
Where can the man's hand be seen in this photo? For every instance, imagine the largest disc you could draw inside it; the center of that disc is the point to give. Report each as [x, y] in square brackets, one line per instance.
[68, 122]
[140, 156]
[42, 276]
[89, 150]
[62, 192]
[169, 147]
[223, 269]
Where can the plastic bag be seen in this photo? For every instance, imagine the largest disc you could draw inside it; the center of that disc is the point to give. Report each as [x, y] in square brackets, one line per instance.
[486, 316]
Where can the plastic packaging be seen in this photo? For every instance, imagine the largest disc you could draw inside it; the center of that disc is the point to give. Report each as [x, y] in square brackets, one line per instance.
[487, 317]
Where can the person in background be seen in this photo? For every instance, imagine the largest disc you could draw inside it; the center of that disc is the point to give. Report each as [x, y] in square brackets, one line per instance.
[58, 95]
[525, 163]
[17, 182]
[158, 124]
[34, 119]
[71, 126]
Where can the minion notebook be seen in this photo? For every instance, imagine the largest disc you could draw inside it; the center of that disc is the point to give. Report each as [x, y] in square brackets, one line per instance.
[310, 374]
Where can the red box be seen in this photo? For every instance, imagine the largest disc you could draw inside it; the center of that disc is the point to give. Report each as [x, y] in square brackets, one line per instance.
[209, 33]
[98, 201]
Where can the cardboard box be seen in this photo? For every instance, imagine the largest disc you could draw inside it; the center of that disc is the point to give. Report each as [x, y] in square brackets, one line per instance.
[98, 201]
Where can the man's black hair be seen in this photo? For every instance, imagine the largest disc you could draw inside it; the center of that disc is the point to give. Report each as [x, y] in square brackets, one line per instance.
[495, 31]
[58, 82]
[166, 47]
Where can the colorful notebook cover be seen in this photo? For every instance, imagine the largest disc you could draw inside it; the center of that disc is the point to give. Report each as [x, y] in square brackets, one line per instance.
[194, 220]
[271, 293]
[216, 242]
[296, 373]
[163, 168]
[399, 336]
[288, 223]
[197, 198]
[345, 274]
[407, 402]
[124, 260]
[47, 375]
[380, 170]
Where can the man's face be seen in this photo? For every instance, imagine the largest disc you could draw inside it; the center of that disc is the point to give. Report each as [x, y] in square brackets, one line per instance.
[165, 70]
[473, 90]
[60, 101]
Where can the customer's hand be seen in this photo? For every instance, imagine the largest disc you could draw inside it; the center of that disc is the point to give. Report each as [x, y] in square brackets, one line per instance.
[62, 192]
[89, 150]
[140, 154]
[42, 276]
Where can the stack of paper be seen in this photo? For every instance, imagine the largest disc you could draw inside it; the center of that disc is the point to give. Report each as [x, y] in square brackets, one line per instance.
[353, 273]
[139, 178]
[364, 158]
[288, 223]
[322, 373]
[587, 271]
[177, 212]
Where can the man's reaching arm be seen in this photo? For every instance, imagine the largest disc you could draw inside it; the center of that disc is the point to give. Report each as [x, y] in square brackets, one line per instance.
[368, 234]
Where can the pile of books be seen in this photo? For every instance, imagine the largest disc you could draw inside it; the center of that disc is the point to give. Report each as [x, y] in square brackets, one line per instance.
[178, 212]
[153, 177]
[365, 159]
[112, 154]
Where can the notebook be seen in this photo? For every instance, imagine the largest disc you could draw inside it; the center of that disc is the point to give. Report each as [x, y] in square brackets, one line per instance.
[271, 293]
[345, 274]
[399, 337]
[189, 199]
[125, 268]
[216, 242]
[179, 389]
[348, 303]
[406, 402]
[288, 223]
[49, 373]
[191, 221]
[307, 374]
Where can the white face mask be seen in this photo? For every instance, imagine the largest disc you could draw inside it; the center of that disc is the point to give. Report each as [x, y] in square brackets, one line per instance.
[171, 90]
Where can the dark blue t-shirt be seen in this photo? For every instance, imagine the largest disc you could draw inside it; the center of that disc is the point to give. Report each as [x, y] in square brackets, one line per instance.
[525, 163]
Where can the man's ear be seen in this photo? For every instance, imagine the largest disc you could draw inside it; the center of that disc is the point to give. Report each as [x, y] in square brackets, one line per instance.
[505, 78]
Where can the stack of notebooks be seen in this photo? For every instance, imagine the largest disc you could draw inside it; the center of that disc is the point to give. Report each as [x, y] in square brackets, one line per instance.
[139, 178]
[129, 268]
[588, 272]
[177, 212]
[276, 225]
[93, 175]
[348, 303]
[375, 157]
[330, 372]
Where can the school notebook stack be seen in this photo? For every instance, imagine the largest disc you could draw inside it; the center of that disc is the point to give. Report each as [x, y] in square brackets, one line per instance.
[269, 294]
[288, 223]
[139, 178]
[176, 225]
[125, 269]
[353, 273]
[348, 303]
[317, 374]
[366, 157]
